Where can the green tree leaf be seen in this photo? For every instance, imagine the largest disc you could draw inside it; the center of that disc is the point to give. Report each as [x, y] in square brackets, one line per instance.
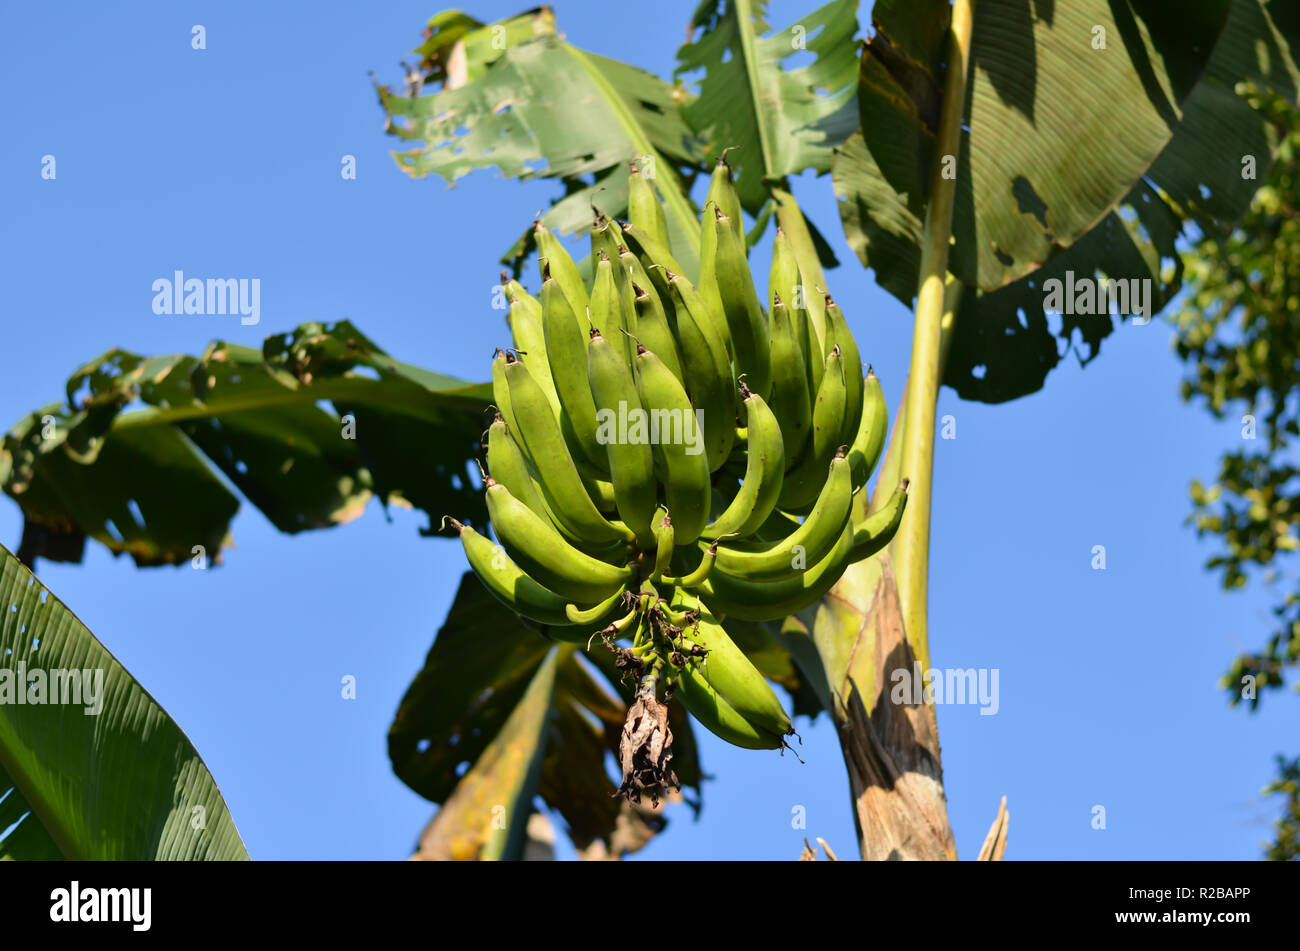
[121, 783]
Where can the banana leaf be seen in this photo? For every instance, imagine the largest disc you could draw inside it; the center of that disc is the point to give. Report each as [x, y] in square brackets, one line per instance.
[515, 96]
[1151, 161]
[309, 429]
[91, 767]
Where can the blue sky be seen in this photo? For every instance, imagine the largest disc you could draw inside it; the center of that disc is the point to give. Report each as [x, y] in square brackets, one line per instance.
[226, 162]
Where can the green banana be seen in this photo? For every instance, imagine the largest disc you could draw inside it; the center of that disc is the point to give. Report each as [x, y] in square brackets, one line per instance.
[507, 582]
[697, 574]
[759, 601]
[500, 391]
[864, 453]
[757, 496]
[734, 676]
[596, 613]
[838, 335]
[652, 327]
[708, 371]
[738, 301]
[686, 472]
[542, 552]
[786, 280]
[607, 302]
[789, 399]
[566, 348]
[557, 474]
[643, 208]
[717, 716]
[878, 529]
[507, 465]
[525, 319]
[630, 463]
[606, 236]
[804, 481]
[662, 526]
[722, 193]
[553, 257]
[808, 543]
[650, 252]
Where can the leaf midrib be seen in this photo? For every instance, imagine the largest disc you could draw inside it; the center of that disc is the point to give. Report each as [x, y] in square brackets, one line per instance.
[673, 197]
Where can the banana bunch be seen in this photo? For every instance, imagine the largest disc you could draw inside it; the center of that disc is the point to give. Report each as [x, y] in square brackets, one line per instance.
[665, 455]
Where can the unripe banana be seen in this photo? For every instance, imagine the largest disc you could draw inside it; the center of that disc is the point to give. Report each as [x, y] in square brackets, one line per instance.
[553, 257]
[556, 473]
[543, 553]
[525, 320]
[717, 716]
[738, 300]
[507, 582]
[576, 502]
[686, 471]
[698, 574]
[596, 613]
[804, 481]
[722, 193]
[839, 335]
[643, 208]
[789, 398]
[734, 676]
[707, 369]
[652, 327]
[566, 349]
[500, 390]
[870, 439]
[878, 529]
[786, 280]
[764, 473]
[606, 236]
[607, 303]
[630, 463]
[662, 526]
[507, 465]
[765, 600]
[807, 544]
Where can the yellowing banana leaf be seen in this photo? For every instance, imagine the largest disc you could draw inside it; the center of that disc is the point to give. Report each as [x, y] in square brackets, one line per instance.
[90, 766]
[486, 816]
[780, 121]
[132, 458]
[521, 99]
[466, 726]
[1004, 346]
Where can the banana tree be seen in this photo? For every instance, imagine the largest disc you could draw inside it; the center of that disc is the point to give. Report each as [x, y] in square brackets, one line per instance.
[952, 137]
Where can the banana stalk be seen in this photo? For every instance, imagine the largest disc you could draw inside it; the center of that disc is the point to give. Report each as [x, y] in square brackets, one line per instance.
[925, 374]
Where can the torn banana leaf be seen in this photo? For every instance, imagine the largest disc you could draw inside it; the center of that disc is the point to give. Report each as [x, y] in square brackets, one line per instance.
[142, 455]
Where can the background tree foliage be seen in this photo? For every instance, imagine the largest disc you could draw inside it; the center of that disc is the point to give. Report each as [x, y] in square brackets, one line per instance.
[1239, 333]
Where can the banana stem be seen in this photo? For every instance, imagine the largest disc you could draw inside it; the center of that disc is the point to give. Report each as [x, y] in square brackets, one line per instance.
[913, 540]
